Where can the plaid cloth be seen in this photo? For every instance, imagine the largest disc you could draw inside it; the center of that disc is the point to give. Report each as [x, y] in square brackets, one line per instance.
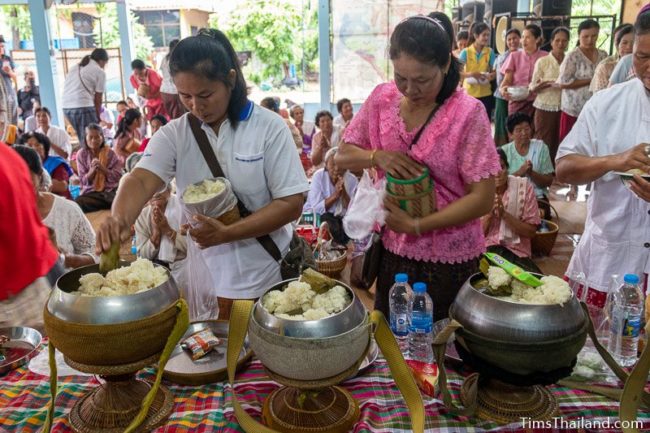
[24, 397]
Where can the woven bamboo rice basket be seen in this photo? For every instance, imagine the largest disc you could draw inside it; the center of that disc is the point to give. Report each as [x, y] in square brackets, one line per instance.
[331, 268]
[418, 205]
[409, 187]
[543, 242]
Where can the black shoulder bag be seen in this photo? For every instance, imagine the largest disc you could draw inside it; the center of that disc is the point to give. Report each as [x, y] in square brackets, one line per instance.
[373, 254]
[299, 256]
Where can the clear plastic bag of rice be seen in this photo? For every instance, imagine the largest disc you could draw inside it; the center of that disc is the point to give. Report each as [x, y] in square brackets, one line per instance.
[211, 197]
[138, 277]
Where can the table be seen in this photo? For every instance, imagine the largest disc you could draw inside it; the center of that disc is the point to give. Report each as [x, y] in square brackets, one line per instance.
[24, 396]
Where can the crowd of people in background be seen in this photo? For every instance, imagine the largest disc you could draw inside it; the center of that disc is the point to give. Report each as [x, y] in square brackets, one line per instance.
[525, 100]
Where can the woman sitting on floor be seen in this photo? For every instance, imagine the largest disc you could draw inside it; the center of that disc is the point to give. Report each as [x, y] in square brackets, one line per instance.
[57, 167]
[329, 195]
[513, 221]
[99, 171]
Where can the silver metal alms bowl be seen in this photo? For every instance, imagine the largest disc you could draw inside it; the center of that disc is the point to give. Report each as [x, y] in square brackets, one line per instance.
[111, 330]
[310, 350]
[519, 338]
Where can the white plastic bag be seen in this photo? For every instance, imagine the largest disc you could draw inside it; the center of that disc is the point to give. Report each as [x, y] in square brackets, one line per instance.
[213, 207]
[366, 208]
[200, 293]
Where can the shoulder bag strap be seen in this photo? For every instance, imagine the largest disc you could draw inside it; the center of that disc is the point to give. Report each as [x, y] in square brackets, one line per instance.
[82, 82]
[424, 125]
[213, 163]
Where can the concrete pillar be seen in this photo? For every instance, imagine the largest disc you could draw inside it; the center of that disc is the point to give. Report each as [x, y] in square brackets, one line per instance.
[45, 60]
[324, 50]
[123, 18]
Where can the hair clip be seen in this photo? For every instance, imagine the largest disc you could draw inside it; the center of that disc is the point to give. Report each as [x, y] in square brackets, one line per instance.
[424, 17]
[211, 33]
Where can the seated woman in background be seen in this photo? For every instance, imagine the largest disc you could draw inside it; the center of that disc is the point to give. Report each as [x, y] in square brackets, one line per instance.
[59, 139]
[327, 137]
[529, 158]
[75, 238]
[513, 221]
[128, 137]
[99, 171]
[158, 237]
[57, 167]
[329, 195]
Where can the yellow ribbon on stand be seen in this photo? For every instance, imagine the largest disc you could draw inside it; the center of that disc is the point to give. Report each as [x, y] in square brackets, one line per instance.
[239, 317]
[633, 391]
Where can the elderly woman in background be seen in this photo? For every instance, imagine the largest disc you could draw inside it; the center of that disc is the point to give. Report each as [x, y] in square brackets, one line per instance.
[327, 137]
[307, 128]
[128, 137]
[74, 235]
[513, 39]
[513, 221]
[59, 139]
[57, 167]
[518, 69]
[529, 158]
[158, 237]
[576, 73]
[99, 171]
[547, 101]
[423, 120]
[346, 113]
[329, 195]
[270, 103]
[623, 41]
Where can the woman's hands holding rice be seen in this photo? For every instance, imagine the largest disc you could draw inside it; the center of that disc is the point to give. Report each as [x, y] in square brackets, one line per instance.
[207, 232]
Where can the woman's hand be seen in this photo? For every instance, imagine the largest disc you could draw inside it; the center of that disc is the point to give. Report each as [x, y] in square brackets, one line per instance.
[113, 229]
[209, 232]
[542, 86]
[525, 169]
[641, 188]
[397, 220]
[637, 157]
[397, 164]
[504, 93]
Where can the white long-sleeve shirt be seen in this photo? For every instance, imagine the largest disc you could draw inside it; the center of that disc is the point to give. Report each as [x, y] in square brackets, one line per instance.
[321, 188]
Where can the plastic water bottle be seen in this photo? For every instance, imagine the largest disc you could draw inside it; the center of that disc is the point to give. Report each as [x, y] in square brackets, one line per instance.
[543, 227]
[626, 311]
[421, 324]
[398, 298]
[134, 246]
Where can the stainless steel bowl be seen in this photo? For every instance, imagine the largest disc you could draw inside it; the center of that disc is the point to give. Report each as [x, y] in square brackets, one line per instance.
[344, 321]
[519, 338]
[99, 310]
[310, 350]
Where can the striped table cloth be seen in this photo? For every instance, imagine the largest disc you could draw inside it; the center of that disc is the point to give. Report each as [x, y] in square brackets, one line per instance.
[24, 396]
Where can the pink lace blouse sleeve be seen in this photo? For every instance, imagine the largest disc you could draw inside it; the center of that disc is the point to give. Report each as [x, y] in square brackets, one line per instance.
[358, 131]
[479, 158]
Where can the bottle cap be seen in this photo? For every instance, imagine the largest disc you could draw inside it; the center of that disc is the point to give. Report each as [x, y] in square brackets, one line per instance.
[401, 278]
[631, 279]
[419, 287]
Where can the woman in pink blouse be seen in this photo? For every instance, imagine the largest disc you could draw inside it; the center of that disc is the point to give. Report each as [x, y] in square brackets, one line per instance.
[513, 221]
[99, 171]
[518, 69]
[442, 248]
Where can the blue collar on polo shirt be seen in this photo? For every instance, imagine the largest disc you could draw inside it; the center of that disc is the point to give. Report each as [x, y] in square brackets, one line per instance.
[245, 113]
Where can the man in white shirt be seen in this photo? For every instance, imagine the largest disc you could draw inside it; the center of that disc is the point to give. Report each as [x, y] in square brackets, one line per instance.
[58, 137]
[612, 135]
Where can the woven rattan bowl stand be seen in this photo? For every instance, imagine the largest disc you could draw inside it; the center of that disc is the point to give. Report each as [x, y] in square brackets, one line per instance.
[504, 403]
[111, 406]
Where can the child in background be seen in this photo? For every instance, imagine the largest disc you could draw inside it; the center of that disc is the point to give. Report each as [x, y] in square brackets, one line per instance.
[156, 122]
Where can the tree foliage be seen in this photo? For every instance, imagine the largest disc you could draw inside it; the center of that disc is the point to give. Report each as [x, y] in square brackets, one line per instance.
[17, 18]
[273, 31]
[110, 31]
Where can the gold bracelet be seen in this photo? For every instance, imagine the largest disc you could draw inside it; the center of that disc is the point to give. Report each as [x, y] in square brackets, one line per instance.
[417, 227]
[372, 158]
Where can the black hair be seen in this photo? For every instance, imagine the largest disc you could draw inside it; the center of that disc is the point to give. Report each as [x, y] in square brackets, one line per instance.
[130, 116]
[476, 29]
[95, 127]
[41, 138]
[536, 31]
[211, 55]
[642, 24]
[340, 103]
[44, 110]
[503, 156]
[98, 54]
[323, 113]
[560, 30]
[513, 30]
[427, 42]
[463, 34]
[159, 117]
[122, 102]
[516, 119]
[449, 27]
[588, 24]
[622, 30]
[31, 158]
[172, 45]
[270, 103]
[138, 64]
